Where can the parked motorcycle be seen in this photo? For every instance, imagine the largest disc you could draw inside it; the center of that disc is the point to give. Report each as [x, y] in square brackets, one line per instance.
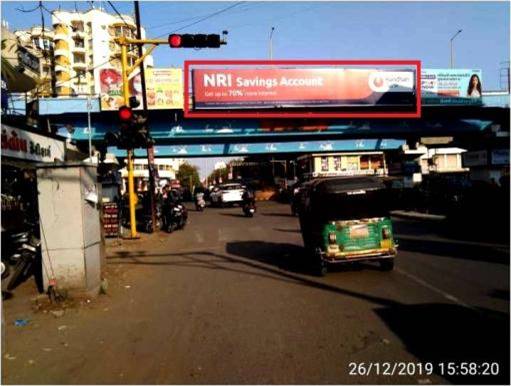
[200, 203]
[25, 260]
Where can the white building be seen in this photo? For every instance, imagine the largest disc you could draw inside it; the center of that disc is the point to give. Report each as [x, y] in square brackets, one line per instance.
[167, 169]
[83, 44]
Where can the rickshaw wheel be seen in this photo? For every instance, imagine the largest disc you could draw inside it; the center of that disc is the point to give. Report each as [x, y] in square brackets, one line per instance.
[387, 264]
[321, 267]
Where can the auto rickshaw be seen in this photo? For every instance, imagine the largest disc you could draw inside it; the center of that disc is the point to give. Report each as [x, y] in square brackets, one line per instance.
[346, 219]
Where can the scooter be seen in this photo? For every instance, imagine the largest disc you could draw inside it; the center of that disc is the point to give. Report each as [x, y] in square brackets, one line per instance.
[200, 203]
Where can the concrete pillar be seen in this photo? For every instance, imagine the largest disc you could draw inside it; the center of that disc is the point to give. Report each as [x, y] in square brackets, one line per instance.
[69, 211]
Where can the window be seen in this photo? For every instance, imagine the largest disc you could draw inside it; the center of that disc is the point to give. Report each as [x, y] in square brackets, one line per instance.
[80, 74]
[79, 58]
[47, 44]
[337, 164]
[324, 164]
[35, 42]
[79, 43]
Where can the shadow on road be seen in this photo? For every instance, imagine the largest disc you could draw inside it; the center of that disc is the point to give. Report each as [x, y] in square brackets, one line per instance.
[287, 230]
[454, 250]
[278, 214]
[451, 333]
[431, 332]
[233, 214]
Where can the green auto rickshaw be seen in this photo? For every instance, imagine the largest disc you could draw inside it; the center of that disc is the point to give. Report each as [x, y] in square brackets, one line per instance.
[346, 219]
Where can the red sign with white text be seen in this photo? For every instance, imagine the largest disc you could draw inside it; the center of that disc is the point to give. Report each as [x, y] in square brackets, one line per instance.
[334, 89]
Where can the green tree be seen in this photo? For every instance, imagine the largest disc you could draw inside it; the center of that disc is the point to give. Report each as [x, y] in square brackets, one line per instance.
[188, 175]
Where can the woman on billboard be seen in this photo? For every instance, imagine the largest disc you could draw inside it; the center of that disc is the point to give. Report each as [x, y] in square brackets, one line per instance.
[474, 87]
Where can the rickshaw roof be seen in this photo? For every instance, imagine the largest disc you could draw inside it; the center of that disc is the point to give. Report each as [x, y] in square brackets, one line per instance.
[345, 185]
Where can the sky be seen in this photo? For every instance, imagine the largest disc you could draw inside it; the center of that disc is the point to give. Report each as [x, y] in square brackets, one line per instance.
[320, 30]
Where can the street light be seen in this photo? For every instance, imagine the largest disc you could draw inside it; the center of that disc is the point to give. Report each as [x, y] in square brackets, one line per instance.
[271, 43]
[452, 54]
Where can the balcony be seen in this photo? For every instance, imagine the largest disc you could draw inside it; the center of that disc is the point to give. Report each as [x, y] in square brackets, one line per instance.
[79, 33]
[61, 36]
[79, 48]
[61, 52]
[61, 68]
[79, 65]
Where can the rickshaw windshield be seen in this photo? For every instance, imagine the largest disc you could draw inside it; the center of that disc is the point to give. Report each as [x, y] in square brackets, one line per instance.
[351, 206]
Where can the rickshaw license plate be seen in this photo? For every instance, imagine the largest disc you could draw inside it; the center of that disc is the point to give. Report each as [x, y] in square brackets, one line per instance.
[359, 231]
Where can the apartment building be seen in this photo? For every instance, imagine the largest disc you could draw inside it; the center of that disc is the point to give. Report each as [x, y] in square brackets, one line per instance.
[83, 44]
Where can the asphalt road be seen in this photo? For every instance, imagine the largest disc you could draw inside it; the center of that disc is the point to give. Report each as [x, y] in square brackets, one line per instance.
[229, 300]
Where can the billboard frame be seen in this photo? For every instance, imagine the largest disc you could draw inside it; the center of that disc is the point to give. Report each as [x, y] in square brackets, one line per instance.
[189, 113]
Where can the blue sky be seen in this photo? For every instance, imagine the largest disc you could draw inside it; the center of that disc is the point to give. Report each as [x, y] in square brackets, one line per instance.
[323, 30]
[320, 30]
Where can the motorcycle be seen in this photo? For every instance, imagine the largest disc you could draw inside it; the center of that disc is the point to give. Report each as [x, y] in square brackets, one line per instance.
[200, 203]
[25, 260]
[176, 217]
[249, 208]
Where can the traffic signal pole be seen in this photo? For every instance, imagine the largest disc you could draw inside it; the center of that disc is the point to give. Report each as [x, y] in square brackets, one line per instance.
[189, 41]
[126, 71]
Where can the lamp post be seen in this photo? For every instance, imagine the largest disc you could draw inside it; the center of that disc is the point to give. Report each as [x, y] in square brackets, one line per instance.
[271, 42]
[452, 52]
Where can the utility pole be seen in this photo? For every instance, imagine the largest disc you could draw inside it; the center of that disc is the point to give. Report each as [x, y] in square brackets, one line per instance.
[150, 146]
[452, 50]
[271, 42]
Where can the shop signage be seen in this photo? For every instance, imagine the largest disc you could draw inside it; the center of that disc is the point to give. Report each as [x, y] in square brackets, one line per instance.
[22, 144]
[475, 158]
[28, 60]
[303, 87]
[500, 157]
[451, 86]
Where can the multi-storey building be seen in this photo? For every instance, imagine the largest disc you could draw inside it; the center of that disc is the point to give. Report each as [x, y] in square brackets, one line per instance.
[83, 45]
[167, 170]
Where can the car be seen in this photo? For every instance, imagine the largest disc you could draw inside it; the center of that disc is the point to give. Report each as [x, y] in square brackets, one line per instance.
[227, 194]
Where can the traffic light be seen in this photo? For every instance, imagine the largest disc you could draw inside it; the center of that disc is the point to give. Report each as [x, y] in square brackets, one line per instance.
[195, 41]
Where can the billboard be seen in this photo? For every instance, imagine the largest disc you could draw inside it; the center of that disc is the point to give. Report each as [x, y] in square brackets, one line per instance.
[303, 89]
[451, 86]
[164, 88]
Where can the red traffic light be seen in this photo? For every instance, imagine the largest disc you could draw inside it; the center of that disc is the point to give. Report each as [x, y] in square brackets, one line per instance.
[175, 41]
[125, 113]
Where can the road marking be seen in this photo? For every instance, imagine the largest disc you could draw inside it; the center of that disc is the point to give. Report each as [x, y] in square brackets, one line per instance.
[446, 295]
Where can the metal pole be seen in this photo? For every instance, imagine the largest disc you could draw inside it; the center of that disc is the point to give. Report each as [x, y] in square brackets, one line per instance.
[452, 49]
[89, 126]
[271, 42]
[150, 157]
[131, 187]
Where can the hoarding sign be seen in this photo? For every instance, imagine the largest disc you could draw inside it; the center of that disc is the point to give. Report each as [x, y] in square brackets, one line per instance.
[451, 86]
[324, 87]
[164, 88]
[303, 89]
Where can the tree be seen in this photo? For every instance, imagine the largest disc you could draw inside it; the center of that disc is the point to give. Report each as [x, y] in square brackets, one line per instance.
[188, 175]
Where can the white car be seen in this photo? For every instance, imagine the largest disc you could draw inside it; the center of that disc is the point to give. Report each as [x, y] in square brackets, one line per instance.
[227, 194]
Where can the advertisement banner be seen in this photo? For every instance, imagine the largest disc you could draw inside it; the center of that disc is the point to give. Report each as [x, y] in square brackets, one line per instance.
[451, 86]
[315, 87]
[164, 88]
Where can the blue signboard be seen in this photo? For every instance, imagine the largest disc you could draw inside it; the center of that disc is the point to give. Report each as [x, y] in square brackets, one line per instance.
[243, 149]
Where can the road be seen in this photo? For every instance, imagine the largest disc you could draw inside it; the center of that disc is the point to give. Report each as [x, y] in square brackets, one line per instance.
[229, 300]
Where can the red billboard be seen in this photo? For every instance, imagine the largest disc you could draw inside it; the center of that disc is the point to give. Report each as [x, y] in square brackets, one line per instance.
[325, 91]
